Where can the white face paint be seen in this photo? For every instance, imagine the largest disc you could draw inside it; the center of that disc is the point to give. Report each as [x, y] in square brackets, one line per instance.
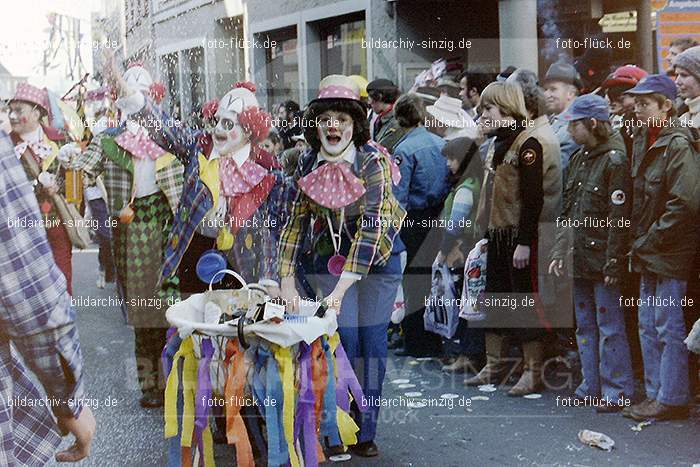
[335, 131]
[228, 134]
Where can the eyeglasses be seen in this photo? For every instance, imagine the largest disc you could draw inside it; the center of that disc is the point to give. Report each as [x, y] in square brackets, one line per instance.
[226, 123]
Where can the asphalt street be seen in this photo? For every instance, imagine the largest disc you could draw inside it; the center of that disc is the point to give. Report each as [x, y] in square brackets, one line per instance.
[457, 426]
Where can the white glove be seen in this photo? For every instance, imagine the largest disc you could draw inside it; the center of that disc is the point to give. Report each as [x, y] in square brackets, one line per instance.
[47, 179]
[221, 210]
[68, 152]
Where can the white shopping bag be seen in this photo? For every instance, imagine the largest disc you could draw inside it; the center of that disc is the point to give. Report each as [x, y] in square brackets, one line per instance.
[474, 283]
[399, 303]
[442, 310]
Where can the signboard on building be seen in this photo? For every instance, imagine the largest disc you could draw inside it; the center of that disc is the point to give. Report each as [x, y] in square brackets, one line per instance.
[675, 19]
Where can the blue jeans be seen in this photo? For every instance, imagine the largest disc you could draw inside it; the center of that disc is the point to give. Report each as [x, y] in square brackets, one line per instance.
[602, 342]
[362, 324]
[661, 334]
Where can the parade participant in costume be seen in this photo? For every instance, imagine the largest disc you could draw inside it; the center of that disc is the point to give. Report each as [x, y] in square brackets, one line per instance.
[512, 201]
[233, 198]
[345, 184]
[143, 184]
[39, 143]
[40, 354]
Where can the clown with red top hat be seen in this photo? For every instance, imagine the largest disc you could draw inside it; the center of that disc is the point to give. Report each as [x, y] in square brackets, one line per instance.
[38, 147]
[345, 184]
[143, 183]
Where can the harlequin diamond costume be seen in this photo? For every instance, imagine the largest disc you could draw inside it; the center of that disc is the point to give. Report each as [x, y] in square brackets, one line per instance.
[231, 208]
[37, 146]
[345, 191]
[143, 184]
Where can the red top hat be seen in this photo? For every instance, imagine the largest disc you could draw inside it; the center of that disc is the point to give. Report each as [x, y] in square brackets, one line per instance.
[28, 93]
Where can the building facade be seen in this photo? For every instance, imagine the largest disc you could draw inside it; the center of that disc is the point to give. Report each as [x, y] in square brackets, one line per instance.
[199, 48]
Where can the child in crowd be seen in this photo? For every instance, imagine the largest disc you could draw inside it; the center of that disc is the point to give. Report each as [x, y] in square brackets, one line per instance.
[273, 143]
[597, 191]
[665, 207]
[461, 234]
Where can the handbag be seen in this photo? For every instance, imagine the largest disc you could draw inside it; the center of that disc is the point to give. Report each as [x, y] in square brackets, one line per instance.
[78, 231]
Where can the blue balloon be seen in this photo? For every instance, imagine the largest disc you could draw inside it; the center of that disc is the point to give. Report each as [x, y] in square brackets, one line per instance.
[211, 262]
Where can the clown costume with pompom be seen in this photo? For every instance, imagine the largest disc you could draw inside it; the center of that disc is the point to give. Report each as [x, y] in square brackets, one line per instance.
[144, 180]
[234, 194]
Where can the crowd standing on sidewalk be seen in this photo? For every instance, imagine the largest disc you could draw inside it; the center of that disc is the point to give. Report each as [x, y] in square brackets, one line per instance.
[584, 202]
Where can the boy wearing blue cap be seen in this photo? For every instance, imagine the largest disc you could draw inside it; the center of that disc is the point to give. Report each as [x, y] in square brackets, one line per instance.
[594, 225]
[666, 201]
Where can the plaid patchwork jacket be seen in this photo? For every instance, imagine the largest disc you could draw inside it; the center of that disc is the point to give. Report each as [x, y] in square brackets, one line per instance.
[104, 157]
[254, 251]
[36, 322]
[374, 220]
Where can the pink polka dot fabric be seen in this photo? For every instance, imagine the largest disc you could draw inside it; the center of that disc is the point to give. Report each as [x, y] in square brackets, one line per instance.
[332, 185]
[139, 145]
[245, 188]
[238, 180]
[28, 93]
[335, 91]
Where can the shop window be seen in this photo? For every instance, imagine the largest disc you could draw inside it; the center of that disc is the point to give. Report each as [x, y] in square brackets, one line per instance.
[341, 45]
[281, 64]
[170, 67]
[193, 81]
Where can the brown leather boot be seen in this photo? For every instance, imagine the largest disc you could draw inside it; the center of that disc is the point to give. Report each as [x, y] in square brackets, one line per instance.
[531, 379]
[496, 367]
